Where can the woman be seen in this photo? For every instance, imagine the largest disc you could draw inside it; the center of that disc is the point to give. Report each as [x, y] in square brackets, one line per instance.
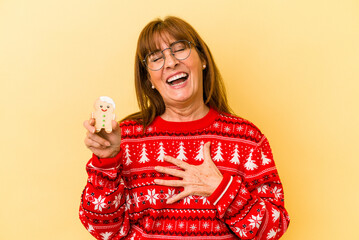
[183, 167]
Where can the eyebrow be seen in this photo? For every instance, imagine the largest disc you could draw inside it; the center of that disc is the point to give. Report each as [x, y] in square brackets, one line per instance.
[169, 45]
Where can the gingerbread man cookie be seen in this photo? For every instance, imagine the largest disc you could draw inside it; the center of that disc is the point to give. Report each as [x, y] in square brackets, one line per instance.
[104, 113]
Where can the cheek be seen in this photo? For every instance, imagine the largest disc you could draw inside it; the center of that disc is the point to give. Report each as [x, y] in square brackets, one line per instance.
[156, 80]
[197, 70]
[196, 65]
[155, 75]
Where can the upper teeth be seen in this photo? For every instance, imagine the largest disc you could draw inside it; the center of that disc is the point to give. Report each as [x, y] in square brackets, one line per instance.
[177, 77]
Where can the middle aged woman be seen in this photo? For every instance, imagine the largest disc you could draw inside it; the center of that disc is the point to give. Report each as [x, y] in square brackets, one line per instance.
[183, 167]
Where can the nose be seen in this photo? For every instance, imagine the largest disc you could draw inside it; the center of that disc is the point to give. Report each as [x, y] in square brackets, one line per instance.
[170, 60]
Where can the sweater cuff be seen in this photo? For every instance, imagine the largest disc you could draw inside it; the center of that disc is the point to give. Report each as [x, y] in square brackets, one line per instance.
[106, 162]
[221, 189]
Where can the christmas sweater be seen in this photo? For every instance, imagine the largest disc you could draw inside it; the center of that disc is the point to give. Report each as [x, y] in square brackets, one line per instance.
[121, 200]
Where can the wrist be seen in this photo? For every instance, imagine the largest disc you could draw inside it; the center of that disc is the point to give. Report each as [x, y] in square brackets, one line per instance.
[115, 153]
[221, 189]
[107, 162]
[215, 183]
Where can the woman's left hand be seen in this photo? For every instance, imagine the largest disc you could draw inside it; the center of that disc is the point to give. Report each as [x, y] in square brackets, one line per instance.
[200, 180]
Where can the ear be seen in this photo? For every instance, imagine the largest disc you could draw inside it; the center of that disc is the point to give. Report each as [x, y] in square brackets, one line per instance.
[152, 86]
[204, 63]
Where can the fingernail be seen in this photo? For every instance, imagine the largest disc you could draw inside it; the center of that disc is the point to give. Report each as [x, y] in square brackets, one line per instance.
[108, 144]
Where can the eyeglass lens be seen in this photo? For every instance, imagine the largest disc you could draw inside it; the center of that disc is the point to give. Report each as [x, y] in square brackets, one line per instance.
[180, 50]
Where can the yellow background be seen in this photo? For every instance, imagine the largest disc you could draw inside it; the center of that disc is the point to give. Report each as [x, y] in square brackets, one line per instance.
[291, 67]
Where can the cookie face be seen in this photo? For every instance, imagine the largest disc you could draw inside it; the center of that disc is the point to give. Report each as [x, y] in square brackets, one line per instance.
[104, 114]
[103, 106]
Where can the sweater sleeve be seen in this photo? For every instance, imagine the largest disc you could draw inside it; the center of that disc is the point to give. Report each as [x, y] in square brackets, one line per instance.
[252, 204]
[103, 209]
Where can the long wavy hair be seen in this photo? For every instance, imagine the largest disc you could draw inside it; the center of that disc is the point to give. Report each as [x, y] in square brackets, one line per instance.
[149, 100]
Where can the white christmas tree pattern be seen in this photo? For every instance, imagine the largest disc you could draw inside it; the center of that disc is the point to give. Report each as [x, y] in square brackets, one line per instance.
[90, 228]
[275, 214]
[127, 155]
[106, 235]
[181, 152]
[235, 155]
[250, 165]
[122, 231]
[271, 234]
[265, 159]
[218, 157]
[199, 156]
[161, 153]
[144, 157]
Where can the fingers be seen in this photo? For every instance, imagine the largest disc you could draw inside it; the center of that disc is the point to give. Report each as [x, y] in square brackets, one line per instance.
[177, 162]
[115, 125]
[90, 125]
[170, 171]
[91, 144]
[169, 183]
[116, 128]
[96, 138]
[92, 139]
[177, 197]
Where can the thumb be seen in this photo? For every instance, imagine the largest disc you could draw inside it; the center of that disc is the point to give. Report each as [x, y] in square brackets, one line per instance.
[115, 126]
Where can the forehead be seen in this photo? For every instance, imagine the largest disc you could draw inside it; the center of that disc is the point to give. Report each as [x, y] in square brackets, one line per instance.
[161, 40]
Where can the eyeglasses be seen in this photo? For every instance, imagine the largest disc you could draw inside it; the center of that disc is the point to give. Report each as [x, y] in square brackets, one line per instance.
[180, 50]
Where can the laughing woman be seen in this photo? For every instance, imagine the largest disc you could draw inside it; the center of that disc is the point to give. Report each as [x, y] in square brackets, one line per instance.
[184, 167]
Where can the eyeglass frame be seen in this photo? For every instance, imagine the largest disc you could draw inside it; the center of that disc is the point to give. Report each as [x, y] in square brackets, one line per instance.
[164, 56]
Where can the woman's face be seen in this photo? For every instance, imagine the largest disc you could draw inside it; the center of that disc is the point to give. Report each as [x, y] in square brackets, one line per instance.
[188, 88]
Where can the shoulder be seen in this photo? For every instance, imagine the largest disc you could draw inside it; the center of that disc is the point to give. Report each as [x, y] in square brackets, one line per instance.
[129, 123]
[131, 128]
[238, 126]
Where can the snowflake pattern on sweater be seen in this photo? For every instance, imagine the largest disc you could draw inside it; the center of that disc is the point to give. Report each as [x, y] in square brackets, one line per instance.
[121, 200]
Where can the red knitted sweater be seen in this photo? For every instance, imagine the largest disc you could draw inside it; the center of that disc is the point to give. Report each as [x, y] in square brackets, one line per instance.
[121, 200]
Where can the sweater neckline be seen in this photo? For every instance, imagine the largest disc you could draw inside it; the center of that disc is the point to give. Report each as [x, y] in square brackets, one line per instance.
[201, 123]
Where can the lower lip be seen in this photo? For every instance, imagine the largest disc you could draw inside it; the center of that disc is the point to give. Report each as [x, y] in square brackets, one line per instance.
[179, 85]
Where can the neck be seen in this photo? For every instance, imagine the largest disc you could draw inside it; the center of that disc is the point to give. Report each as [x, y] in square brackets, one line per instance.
[185, 113]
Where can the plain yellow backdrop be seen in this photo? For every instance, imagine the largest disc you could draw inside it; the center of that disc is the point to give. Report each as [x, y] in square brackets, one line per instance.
[291, 67]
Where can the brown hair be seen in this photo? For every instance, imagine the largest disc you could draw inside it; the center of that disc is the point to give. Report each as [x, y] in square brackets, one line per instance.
[149, 100]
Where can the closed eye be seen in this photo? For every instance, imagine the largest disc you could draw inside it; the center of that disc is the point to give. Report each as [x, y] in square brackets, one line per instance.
[156, 59]
[179, 50]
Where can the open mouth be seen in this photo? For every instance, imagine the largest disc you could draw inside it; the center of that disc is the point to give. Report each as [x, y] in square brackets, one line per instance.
[177, 79]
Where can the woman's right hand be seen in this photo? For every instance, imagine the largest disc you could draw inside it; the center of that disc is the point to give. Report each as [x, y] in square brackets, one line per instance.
[103, 144]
